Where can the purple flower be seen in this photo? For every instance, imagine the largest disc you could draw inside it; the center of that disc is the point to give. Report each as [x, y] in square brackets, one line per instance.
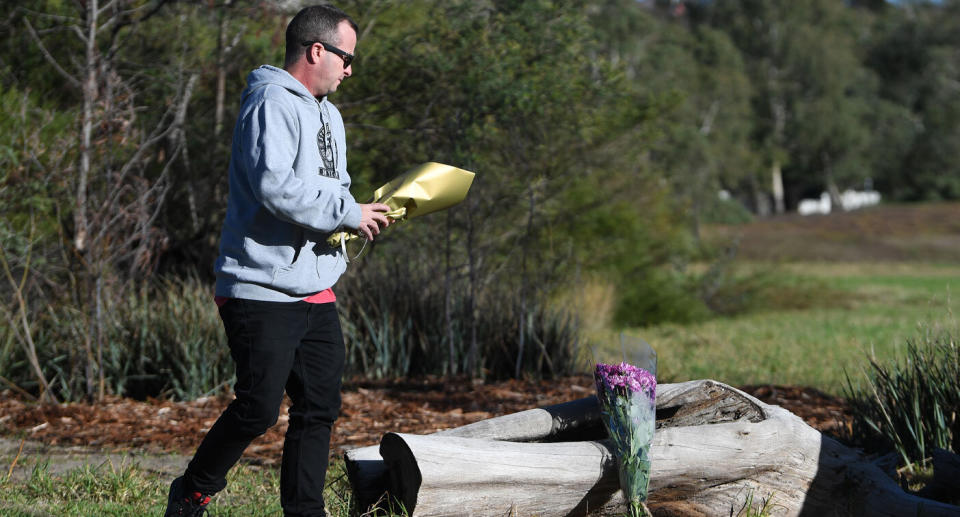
[626, 377]
[628, 408]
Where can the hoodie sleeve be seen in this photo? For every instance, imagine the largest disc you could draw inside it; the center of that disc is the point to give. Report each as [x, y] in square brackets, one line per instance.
[270, 140]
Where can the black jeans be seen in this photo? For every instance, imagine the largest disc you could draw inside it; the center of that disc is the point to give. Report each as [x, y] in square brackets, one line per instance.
[297, 347]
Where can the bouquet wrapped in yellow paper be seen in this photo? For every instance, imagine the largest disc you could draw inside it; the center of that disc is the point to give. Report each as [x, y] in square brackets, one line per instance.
[425, 189]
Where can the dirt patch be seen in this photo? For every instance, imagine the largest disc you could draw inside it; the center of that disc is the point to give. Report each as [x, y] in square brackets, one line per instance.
[884, 233]
[18, 458]
[124, 426]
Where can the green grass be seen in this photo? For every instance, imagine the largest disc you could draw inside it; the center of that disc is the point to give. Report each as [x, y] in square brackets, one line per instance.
[129, 490]
[872, 310]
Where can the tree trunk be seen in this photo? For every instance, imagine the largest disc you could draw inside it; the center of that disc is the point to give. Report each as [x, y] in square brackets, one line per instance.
[776, 176]
[715, 449]
[81, 221]
[473, 353]
[448, 297]
[222, 51]
[89, 92]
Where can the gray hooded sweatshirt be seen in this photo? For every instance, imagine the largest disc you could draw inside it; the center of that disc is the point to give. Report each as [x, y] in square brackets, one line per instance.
[289, 190]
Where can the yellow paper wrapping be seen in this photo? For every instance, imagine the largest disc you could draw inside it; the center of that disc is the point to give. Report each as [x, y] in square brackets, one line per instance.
[425, 189]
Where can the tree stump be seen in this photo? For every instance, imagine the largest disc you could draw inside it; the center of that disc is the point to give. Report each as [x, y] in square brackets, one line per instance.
[715, 448]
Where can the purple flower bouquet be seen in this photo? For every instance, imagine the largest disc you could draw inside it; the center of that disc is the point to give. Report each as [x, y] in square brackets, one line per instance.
[627, 396]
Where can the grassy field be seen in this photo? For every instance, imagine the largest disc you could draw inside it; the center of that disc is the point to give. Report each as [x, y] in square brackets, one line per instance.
[874, 279]
[881, 306]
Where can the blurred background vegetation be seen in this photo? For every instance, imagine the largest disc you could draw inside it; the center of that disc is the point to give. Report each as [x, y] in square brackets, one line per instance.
[602, 133]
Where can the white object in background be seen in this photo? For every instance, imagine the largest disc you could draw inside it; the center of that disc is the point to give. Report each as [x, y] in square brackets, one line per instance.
[815, 206]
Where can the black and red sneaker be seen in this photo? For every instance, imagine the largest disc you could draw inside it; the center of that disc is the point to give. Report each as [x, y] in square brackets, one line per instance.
[181, 504]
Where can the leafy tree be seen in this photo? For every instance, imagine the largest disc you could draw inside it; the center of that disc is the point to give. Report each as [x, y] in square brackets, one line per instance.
[118, 178]
[220, 42]
[32, 152]
[702, 144]
[810, 90]
[521, 93]
[914, 54]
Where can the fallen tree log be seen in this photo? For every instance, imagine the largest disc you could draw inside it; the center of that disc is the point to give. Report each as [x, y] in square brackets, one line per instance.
[686, 403]
[448, 475]
[715, 447]
[576, 420]
[681, 404]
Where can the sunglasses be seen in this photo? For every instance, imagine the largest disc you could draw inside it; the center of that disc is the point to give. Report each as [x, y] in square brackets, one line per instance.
[346, 56]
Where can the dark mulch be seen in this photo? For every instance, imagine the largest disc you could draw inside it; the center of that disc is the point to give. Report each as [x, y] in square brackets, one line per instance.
[369, 410]
[826, 413]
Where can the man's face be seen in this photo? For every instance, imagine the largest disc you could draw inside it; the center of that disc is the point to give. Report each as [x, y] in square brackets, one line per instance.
[330, 71]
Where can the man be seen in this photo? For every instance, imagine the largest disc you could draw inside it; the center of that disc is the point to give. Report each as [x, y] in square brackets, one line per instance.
[289, 190]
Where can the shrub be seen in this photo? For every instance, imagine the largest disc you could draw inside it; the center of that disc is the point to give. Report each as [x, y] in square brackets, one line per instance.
[168, 341]
[659, 295]
[911, 406]
[161, 340]
[725, 210]
[723, 289]
[399, 320]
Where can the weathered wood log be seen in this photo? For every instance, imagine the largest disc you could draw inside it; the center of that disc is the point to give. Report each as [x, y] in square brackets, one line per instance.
[757, 450]
[567, 422]
[574, 420]
[946, 476]
[579, 419]
[689, 403]
[491, 477]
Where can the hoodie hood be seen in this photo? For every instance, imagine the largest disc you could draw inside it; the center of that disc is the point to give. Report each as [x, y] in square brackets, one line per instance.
[267, 74]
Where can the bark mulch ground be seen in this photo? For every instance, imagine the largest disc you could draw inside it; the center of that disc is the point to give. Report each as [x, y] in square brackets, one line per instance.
[370, 408]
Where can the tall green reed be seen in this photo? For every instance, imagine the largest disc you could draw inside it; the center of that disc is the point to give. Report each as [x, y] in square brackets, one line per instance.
[913, 405]
[162, 339]
[165, 339]
[168, 341]
[406, 323]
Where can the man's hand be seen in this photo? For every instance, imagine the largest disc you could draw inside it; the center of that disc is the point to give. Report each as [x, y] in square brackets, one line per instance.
[372, 219]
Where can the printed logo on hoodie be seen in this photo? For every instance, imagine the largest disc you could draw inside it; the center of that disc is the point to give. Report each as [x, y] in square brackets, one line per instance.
[327, 153]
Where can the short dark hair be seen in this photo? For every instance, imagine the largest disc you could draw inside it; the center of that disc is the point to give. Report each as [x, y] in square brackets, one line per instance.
[314, 23]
